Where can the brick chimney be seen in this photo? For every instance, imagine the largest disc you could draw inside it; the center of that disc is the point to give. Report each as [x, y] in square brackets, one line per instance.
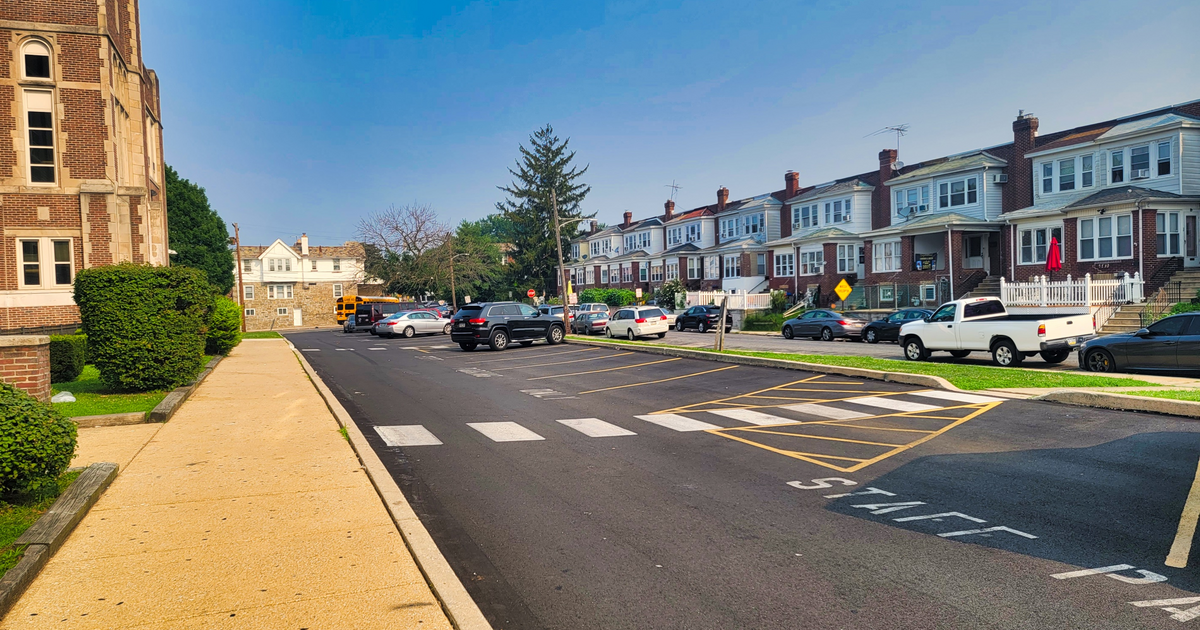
[1018, 192]
[722, 198]
[881, 200]
[670, 211]
[791, 183]
[628, 219]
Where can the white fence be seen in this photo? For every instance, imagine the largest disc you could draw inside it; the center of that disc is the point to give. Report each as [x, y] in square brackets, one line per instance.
[1079, 292]
[737, 301]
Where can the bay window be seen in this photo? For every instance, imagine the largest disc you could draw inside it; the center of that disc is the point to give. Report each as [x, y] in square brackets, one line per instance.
[693, 232]
[959, 192]
[1168, 233]
[1105, 238]
[887, 257]
[785, 264]
[804, 216]
[1035, 243]
[756, 223]
[812, 263]
[911, 200]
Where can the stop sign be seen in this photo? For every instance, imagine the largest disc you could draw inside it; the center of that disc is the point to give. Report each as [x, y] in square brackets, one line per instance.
[531, 293]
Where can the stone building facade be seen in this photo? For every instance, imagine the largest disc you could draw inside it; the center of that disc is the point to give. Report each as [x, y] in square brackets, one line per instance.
[81, 156]
[297, 286]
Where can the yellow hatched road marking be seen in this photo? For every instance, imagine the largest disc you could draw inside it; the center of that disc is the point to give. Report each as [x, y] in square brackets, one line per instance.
[1182, 547]
[673, 378]
[722, 401]
[521, 367]
[815, 437]
[623, 367]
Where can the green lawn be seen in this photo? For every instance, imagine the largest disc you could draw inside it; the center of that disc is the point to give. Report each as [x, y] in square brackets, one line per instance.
[262, 334]
[1176, 394]
[91, 399]
[969, 377]
[18, 514]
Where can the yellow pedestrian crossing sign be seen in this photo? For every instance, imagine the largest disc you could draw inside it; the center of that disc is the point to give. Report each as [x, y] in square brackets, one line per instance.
[842, 290]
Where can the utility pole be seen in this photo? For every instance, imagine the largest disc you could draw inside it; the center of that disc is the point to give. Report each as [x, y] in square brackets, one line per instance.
[237, 245]
[562, 272]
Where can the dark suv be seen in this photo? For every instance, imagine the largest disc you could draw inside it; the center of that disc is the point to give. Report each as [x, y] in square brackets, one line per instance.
[702, 318]
[500, 323]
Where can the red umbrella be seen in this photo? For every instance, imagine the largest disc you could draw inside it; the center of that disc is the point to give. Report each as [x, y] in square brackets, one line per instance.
[1053, 257]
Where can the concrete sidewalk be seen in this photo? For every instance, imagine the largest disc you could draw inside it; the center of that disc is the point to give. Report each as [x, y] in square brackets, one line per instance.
[247, 510]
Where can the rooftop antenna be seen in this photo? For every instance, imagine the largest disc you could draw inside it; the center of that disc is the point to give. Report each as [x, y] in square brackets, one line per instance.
[899, 130]
[674, 188]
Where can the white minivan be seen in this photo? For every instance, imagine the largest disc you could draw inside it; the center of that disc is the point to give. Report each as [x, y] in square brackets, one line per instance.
[632, 322]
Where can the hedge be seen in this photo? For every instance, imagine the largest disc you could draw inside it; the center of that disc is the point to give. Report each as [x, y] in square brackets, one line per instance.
[764, 321]
[146, 326]
[68, 355]
[611, 297]
[224, 327]
[36, 442]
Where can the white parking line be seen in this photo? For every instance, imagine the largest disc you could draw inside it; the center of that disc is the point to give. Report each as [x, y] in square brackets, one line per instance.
[892, 404]
[595, 427]
[676, 422]
[957, 396]
[750, 416]
[505, 431]
[310, 349]
[376, 348]
[823, 411]
[407, 435]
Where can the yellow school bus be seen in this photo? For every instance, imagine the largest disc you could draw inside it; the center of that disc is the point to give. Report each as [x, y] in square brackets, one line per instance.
[348, 304]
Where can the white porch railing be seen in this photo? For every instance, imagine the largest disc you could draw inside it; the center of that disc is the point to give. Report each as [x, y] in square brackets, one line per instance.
[737, 301]
[1040, 291]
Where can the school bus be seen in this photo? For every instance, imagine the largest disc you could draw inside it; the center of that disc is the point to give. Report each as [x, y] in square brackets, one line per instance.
[347, 305]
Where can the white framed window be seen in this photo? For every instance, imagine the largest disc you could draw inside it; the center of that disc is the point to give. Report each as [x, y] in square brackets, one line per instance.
[959, 192]
[627, 272]
[574, 251]
[760, 266]
[45, 263]
[1116, 167]
[248, 291]
[279, 291]
[910, 200]
[756, 223]
[630, 242]
[1086, 168]
[314, 264]
[1168, 233]
[1139, 162]
[693, 267]
[1066, 174]
[643, 272]
[604, 275]
[589, 275]
[614, 274]
[887, 256]
[712, 268]
[337, 291]
[279, 264]
[673, 270]
[39, 119]
[785, 264]
[247, 265]
[35, 56]
[249, 312]
[731, 228]
[675, 236]
[1106, 238]
[693, 232]
[837, 211]
[1035, 243]
[805, 217]
[281, 310]
[656, 273]
[733, 266]
[847, 258]
[1164, 158]
[928, 292]
[812, 263]
[1047, 177]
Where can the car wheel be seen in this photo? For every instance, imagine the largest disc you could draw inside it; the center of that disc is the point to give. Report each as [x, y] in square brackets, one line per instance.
[787, 332]
[498, 341]
[608, 333]
[372, 331]
[555, 335]
[1005, 354]
[662, 335]
[679, 326]
[409, 332]
[702, 328]
[826, 334]
[872, 336]
[1055, 356]
[526, 344]
[446, 330]
[467, 347]
[958, 354]
[914, 350]
[1100, 361]
[629, 335]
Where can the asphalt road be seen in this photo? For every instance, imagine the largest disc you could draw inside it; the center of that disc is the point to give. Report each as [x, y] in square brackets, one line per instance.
[568, 489]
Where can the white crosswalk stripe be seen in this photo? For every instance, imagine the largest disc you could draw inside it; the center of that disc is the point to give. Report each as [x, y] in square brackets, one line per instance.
[957, 396]
[892, 404]
[595, 427]
[676, 422]
[505, 431]
[750, 416]
[825, 411]
[407, 435]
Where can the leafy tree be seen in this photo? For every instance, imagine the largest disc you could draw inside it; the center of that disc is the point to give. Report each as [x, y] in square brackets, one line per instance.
[666, 294]
[545, 166]
[197, 233]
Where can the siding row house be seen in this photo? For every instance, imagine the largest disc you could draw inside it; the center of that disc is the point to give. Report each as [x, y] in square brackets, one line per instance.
[1121, 196]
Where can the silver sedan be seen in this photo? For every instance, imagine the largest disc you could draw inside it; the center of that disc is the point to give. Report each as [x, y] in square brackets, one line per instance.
[824, 324]
[413, 323]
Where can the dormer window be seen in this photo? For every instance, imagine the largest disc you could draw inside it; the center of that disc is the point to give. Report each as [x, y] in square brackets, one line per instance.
[806, 216]
[37, 60]
[912, 200]
[1164, 158]
[1139, 162]
[960, 192]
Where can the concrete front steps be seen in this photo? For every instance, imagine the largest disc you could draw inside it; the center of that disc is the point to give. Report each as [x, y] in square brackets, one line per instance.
[1189, 280]
[1128, 318]
[990, 287]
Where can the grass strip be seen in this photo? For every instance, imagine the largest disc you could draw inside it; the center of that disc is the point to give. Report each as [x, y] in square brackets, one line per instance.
[1174, 394]
[968, 377]
[18, 513]
[262, 334]
[92, 399]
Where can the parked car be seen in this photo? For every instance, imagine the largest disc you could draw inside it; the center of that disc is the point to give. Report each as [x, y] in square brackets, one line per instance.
[702, 318]
[1171, 344]
[413, 323]
[984, 324]
[824, 324]
[671, 315]
[593, 307]
[888, 328]
[348, 325]
[632, 322]
[500, 323]
[589, 323]
[370, 313]
[555, 311]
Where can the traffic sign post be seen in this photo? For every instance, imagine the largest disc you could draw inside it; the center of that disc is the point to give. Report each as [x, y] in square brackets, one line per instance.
[843, 291]
[532, 293]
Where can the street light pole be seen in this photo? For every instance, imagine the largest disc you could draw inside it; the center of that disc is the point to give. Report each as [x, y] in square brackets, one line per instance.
[453, 297]
[237, 244]
[562, 271]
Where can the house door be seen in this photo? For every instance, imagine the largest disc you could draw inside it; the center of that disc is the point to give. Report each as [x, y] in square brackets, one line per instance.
[297, 320]
[975, 252]
[1191, 242]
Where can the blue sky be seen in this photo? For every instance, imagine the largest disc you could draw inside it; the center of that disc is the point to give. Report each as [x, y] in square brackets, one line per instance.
[305, 116]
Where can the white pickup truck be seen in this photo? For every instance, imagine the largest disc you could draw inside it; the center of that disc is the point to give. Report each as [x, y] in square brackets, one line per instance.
[983, 324]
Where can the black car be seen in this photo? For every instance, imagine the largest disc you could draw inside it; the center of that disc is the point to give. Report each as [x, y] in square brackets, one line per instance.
[370, 313]
[702, 318]
[1168, 345]
[498, 324]
[888, 328]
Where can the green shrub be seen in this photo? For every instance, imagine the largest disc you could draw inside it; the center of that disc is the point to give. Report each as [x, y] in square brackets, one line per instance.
[36, 442]
[146, 326]
[1184, 307]
[763, 321]
[671, 294]
[224, 327]
[68, 355]
[778, 301]
[611, 297]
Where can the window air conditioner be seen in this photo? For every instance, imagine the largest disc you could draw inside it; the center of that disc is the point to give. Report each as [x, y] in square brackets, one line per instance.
[1141, 173]
[999, 178]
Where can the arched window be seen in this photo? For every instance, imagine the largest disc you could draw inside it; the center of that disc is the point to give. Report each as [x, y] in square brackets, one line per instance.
[37, 60]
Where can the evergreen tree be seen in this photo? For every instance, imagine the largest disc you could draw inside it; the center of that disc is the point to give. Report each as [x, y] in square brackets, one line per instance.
[543, 167]
[197, 233]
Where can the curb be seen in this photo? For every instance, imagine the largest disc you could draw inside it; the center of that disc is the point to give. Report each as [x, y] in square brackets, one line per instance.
[1123, 402]
[462, 611]
[922, 380]
[110, 419]
[50, 530]
[169, 405]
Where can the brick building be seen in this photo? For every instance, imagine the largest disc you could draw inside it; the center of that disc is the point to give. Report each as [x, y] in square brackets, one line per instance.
[81, 166]
[286, 287]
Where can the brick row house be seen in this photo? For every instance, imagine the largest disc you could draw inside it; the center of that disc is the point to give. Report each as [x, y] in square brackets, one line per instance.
[81, 156]
[288, 287]
[1120, 196]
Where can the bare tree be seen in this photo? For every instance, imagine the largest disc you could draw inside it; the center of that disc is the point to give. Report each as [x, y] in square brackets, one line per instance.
[405, 231]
